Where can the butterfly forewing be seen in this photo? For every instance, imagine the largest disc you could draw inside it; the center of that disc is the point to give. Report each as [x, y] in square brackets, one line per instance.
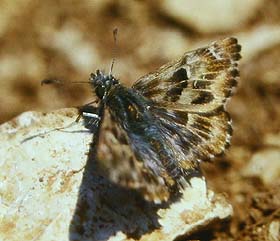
[199, 81]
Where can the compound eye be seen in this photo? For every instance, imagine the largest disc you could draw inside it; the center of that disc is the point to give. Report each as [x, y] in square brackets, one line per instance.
[92, 76]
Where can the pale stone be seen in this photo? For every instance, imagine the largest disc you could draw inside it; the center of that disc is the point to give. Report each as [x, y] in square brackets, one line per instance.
[257, 40]
[38, 186]
[272, 139]
[264, 164]
[47, 192]
[211, 16]
[274, 231]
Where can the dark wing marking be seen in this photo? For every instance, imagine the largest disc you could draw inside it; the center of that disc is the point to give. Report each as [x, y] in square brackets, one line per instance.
[200, 81]
[121, 166]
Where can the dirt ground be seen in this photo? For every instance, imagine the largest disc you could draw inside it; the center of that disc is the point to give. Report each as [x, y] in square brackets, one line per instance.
[67, 40]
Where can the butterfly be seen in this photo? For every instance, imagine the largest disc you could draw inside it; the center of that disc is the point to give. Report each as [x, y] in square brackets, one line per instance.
[153, 135]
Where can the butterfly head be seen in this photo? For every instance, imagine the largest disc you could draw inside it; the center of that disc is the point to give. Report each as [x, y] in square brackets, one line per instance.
[102, 83]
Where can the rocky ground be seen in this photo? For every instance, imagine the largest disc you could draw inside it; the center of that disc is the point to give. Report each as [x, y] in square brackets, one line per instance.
[67, 40]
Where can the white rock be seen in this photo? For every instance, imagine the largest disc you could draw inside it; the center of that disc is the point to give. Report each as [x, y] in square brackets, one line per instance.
[38, 185]
[274, 231]
[46, 194]
[211, 16]
[264, 164]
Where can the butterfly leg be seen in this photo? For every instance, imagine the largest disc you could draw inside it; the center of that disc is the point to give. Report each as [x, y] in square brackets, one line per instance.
[90, 115]
[49, 131]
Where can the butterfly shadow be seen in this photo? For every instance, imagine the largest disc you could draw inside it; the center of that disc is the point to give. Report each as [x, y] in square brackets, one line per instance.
[105, 208]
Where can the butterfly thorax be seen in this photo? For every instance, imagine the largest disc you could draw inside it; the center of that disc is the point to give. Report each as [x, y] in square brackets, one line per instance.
[128, 107]
[102, 83]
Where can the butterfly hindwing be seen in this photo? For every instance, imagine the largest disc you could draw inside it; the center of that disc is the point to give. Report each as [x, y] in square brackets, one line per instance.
[197, 136]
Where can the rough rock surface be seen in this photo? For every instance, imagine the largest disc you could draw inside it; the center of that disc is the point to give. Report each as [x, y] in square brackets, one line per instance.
[51, 191]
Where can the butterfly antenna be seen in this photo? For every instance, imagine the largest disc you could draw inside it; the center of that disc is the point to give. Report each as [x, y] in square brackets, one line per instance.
[59, 82]
[115, 32]
[51, 81]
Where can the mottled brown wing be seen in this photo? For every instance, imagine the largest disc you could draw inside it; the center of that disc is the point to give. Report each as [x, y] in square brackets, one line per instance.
[118, 161]
[191, 92]
[200, 81]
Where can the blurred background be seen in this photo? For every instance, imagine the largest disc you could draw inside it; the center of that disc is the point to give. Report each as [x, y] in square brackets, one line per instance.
[67, 40]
